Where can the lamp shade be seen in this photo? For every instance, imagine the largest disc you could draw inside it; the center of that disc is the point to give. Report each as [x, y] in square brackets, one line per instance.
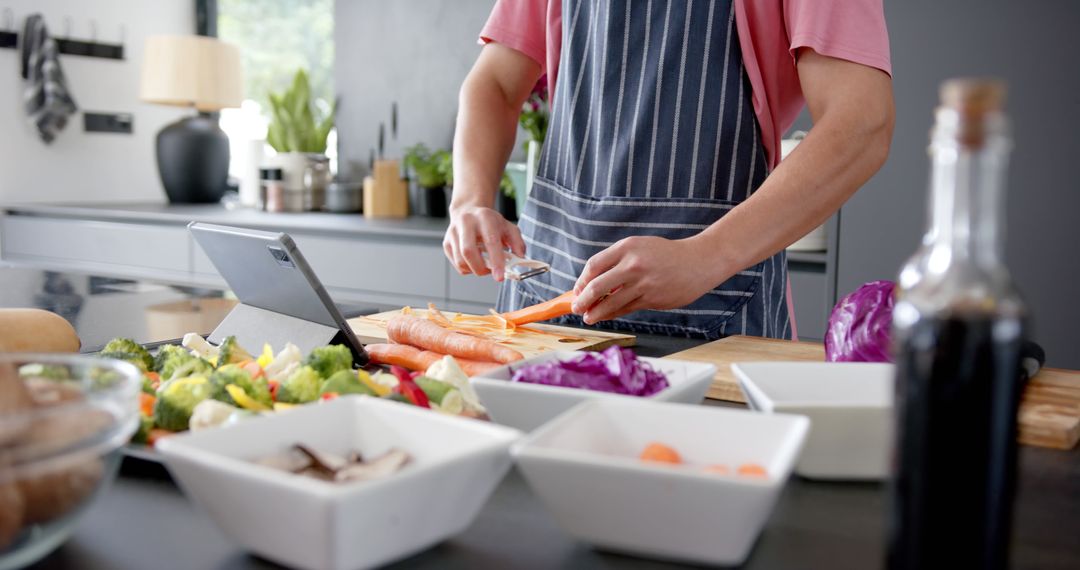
[191, 71]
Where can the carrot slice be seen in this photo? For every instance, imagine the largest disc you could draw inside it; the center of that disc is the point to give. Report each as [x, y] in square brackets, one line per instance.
[428, 335]
[752, 470]
[556, 307]
[419, 360]
[660, 453]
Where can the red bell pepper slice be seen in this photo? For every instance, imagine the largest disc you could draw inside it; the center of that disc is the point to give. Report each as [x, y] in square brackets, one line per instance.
[408, 388]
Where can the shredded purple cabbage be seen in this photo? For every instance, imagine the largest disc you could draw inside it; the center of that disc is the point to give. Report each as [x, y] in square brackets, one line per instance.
[616, 370]
[860, 323]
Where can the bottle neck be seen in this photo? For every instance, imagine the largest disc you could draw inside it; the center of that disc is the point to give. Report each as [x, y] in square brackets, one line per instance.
[967, 190]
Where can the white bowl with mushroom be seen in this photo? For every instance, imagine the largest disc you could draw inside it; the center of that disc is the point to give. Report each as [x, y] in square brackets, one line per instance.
[423, 478]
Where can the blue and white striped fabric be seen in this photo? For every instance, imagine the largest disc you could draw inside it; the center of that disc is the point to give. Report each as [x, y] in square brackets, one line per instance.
[653, 132]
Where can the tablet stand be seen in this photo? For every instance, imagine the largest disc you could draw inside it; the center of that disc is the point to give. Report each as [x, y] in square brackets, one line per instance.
[253, 327]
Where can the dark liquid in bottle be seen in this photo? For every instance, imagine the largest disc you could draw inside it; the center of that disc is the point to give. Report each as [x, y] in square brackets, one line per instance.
[957, 392]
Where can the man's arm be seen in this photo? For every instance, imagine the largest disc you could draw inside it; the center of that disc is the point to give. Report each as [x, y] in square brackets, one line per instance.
[852, 109]
[490, 102]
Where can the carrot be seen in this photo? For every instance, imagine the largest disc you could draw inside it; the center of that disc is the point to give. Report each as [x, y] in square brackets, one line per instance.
[556, 307]
[753, 470]
[146, 404]
[428, 335]
[415, 359]
[660, 453]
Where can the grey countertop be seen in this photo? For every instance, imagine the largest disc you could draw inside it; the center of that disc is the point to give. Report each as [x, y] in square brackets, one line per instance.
[144, 521]
[181, 214]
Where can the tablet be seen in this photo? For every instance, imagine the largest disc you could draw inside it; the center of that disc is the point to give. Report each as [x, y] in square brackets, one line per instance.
[266, 271]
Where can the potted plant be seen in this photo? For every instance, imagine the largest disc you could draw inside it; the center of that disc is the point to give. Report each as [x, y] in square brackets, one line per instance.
[298, 131]
[431, 172]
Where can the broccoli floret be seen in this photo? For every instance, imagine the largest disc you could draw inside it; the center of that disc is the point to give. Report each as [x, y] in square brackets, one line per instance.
[126, 345]
[344, 382]
[176, 400]
[46, 371]
[176, 362]
[146, 423]
[301, 387]
[127, 357]
[148, 385]
[229, 352]
[327, 360]
[231, 374]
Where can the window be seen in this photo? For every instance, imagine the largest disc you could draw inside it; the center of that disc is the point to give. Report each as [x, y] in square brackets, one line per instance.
[277, 37]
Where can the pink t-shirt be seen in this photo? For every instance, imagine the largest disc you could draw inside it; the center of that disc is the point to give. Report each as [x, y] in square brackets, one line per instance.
[769, 33]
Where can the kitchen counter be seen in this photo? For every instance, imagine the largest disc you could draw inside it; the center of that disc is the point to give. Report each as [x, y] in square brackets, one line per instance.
[144, 521]
[182, 214]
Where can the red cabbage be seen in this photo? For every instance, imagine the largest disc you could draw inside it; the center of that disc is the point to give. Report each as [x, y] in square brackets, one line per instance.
[859, 325]
[616, 370]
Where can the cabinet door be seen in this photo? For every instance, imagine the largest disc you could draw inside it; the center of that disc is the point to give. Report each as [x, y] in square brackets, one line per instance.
[105, 248]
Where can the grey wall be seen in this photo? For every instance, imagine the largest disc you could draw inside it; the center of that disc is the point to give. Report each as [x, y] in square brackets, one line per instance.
[81, 166]
[1031, 45]
[414, 52]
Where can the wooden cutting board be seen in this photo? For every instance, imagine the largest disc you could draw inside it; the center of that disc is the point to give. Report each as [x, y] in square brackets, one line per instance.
[1049, 410]
[372, 329]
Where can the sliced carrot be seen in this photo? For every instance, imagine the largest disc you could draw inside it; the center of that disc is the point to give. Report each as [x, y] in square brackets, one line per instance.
[428, 335]
[752, 470]
[146, 404]
[413, 358]
[660, 453]
[556, 307]
[156, 434]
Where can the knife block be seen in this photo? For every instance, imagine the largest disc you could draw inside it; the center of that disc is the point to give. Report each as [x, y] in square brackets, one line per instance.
[386, 195]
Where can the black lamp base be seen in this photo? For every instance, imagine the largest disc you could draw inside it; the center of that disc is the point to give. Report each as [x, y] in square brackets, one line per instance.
[193, 160]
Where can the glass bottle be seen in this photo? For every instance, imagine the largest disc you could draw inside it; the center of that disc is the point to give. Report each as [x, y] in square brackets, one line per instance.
[958, 327]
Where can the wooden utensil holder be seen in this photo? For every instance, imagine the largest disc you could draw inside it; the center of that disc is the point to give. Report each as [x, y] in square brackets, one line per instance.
[386, 195]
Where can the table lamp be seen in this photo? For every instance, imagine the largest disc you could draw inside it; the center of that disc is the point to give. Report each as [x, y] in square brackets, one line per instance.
[202, 73]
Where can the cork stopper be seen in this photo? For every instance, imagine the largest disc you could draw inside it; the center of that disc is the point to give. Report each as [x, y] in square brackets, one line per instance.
[973, 96]
[976, 101]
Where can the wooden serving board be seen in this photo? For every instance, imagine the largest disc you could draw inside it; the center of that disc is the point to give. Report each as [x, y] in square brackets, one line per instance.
[1049, 409]
[372, 329]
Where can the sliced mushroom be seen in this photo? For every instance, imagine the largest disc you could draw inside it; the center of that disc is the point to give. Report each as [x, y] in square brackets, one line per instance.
[382, 466]
[292, 461]
[327, 462]
[14, 399]
[11, 510]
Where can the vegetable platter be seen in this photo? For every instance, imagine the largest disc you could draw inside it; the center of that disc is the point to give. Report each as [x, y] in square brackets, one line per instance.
[197, 385]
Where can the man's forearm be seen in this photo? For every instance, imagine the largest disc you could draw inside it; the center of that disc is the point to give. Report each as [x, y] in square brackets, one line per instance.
[828, 167]
[486, 129]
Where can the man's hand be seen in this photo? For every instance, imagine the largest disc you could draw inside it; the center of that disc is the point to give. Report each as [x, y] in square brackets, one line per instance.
[490, 103]
[474, 230]
[642, 272]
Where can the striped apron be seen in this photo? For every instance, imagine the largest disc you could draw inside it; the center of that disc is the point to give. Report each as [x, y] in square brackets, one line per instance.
[653, 132]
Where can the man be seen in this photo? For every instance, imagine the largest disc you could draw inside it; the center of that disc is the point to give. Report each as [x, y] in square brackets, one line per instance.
[659, 198]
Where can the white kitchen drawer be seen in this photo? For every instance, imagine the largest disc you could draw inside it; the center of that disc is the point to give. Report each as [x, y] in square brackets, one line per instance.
[121, 248]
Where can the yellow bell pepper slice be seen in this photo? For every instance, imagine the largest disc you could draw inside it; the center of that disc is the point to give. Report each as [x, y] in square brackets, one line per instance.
[381, 390]
[282, 406]
[266, 357]
[243, 400]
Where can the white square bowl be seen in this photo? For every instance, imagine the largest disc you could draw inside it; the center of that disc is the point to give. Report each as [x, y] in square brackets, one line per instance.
[850, 409]
[302, 522]
[584, 466]
[526, 406]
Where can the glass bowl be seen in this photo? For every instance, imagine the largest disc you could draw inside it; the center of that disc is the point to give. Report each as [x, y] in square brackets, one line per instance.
[63, 420]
